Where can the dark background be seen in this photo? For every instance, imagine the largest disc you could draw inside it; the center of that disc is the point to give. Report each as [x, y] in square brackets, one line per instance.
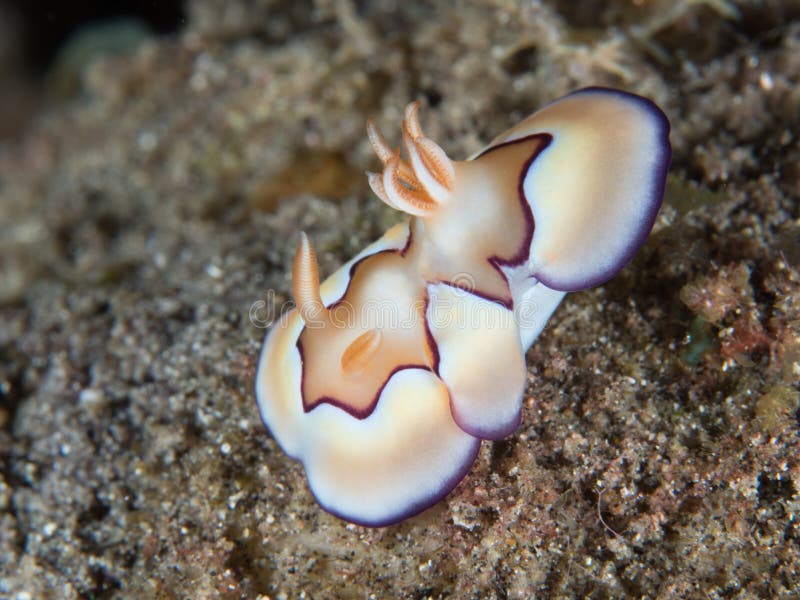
[44, 26]
[34, 34]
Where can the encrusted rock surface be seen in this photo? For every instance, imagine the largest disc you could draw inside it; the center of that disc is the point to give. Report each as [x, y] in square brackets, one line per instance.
[142, 222]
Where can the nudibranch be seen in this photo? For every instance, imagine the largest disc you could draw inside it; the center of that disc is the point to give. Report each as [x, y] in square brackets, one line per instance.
[384, 379]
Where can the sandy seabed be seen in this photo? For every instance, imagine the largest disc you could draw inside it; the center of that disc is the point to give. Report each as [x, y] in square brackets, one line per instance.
[141, 219]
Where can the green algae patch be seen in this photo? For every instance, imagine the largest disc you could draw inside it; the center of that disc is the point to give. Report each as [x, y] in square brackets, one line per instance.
[774, 410]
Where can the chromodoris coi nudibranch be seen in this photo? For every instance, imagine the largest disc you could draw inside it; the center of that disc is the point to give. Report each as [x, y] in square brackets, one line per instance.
[384, 379]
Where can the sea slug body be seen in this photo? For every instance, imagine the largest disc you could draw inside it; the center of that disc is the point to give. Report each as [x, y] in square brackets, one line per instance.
[386, 377]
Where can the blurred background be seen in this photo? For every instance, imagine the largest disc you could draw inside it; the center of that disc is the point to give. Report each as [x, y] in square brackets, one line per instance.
[44, 44]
